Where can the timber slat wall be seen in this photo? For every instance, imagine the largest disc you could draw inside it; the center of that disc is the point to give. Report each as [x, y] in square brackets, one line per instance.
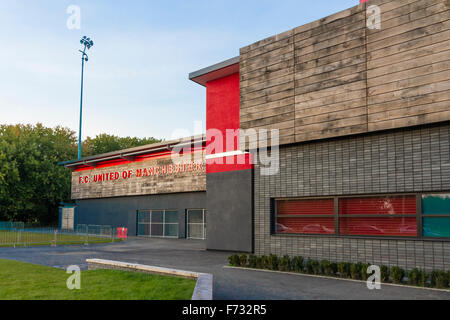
[408, 65]
[335, 77]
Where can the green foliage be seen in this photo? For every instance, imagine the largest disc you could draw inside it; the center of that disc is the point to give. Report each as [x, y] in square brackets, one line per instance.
[326, 268]
[309, 266]
[355, 271]
[313, 266]
[252, 261]
[297, 264]
[414, 277]
[273, 262]
[32, 185]
[264, 262]
[259, 263]
[104, 143]
[284, 263]
[384, 270]
[364, 267]
[243, 260]
[344, 269]
[439, 279]
[423, 278]
[234, 260]
[417, 277]
[333, 267]
[397, 274]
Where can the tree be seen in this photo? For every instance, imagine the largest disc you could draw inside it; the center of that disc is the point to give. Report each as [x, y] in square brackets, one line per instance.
[31, 182]
[104, 143]
[32, 185]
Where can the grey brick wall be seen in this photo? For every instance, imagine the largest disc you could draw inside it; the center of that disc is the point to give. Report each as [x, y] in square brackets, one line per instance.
[409, 160]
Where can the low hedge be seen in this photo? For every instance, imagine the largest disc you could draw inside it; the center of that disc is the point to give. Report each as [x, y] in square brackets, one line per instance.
[358, 271]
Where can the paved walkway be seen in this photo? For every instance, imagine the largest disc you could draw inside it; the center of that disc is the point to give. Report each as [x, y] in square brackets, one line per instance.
[228, 283]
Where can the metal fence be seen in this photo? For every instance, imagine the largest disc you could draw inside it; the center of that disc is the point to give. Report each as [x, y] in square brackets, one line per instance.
[18, 234]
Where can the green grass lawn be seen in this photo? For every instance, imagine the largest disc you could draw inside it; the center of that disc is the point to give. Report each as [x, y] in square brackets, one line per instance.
[25, 281]
[11, 238]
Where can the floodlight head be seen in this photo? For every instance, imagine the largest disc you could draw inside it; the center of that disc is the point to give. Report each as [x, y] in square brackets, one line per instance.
[87, 42]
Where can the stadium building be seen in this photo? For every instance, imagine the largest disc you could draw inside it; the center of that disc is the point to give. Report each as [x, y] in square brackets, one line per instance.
[360, 101]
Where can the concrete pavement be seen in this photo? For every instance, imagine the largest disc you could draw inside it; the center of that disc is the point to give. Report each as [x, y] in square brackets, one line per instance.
[229, 284]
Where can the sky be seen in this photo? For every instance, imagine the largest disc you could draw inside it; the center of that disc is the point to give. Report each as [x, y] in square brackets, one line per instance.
[136, 80]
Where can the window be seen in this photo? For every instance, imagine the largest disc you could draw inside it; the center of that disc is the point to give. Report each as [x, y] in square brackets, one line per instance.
[309, 216]
[196, 224]
[383, 216]
[394, 216]
[158, 223]
[436, 215]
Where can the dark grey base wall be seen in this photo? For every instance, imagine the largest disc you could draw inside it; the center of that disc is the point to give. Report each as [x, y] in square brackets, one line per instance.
[409, 160]
[122, 211]
[229, 218]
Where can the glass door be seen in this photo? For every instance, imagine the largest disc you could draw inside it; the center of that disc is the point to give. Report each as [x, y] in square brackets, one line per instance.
[196, 224]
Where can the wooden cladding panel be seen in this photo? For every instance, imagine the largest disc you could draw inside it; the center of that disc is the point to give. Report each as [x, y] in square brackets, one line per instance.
[335, 76]
[189, 176]
[267, 85]
[408, 66]
[331, 65]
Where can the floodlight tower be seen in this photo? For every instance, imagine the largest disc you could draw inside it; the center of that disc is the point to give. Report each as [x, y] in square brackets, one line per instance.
[87, 43]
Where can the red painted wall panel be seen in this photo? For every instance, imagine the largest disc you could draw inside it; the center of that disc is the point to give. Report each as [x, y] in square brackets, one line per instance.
[222, 113]
[140, 158]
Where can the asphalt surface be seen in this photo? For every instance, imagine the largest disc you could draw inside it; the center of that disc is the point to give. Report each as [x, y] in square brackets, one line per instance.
[229, 284]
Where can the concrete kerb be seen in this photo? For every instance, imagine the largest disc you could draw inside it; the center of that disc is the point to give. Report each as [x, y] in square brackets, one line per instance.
[203, 289]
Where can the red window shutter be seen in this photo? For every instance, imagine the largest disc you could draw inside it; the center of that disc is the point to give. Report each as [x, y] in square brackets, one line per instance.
[378, 205]
[308, 206]
[305, 225]
[392, 225]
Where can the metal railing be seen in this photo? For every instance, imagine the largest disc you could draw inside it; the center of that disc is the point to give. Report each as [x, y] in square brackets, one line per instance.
[18, 234]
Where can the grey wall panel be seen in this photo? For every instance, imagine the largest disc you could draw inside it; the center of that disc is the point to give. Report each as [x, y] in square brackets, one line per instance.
[121, 211]
[397, 161]
[229, 217]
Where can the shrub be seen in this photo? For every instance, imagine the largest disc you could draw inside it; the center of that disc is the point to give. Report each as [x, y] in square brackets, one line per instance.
[315, 266]
[333, 267]
[308, 266]
[364, 267]
[273, 262]
[284, 263]
[252, 261]
[414, 277]
[259, 263]
[264, 262]
[234, 260]
[355, 271]
[344, 269]
[243, 260]
[297, 264]
[325, 267]
[423, 278]
[397, 274]
[439, 279]
[384, 273]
